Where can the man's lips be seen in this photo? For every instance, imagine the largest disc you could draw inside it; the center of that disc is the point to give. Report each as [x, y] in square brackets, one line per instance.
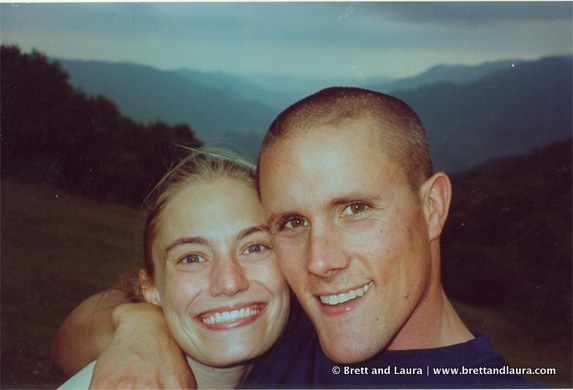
[232, 316]
[340, 298]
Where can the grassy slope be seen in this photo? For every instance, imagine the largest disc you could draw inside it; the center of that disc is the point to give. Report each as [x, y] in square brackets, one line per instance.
[58, 249]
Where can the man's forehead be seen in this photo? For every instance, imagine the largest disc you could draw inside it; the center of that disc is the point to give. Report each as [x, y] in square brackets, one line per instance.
[322, 156]
[349, 133]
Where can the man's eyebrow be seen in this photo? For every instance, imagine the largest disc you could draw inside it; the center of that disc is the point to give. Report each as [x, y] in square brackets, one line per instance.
[252, 230]
[277, 217]
[185, 241]
[354, 197]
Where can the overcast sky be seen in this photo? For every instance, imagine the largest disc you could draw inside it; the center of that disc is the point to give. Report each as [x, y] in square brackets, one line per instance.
[362, 39]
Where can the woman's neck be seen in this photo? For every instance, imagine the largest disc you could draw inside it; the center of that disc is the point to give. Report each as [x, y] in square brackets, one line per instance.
[208, 377]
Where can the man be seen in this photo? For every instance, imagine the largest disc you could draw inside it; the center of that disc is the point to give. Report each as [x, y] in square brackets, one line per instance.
[346, 181]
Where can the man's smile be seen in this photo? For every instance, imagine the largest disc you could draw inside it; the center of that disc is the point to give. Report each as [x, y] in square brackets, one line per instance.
[337, 299]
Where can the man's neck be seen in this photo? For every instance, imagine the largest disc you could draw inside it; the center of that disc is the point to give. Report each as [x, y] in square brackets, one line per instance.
[208, 377]
[433, 324]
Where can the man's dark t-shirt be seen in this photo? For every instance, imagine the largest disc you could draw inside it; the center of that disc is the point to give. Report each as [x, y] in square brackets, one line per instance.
[297, 361]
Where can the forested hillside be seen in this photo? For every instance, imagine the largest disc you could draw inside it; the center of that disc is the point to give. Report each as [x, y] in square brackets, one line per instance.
[53, 134]
[507, 244]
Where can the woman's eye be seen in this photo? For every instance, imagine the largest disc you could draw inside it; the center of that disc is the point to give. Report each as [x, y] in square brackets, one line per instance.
[295, 223]
[255, 248]
[192, 259]
[355, 208]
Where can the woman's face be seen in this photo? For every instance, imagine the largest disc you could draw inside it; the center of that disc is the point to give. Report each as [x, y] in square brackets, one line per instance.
[217, 278]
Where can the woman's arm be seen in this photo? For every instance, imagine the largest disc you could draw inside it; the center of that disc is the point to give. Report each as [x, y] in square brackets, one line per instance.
[130, 341]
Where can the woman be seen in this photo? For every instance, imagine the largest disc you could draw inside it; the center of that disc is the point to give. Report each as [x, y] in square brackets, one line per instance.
[209, 265]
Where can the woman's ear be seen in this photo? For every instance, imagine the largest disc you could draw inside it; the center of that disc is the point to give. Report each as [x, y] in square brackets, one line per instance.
[436, 195]
[150, 292]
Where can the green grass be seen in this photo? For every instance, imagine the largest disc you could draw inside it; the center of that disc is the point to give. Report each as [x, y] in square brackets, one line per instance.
[58, 249]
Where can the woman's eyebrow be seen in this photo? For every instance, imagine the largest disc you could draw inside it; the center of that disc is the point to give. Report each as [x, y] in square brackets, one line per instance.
[252, 230]
[185, 241]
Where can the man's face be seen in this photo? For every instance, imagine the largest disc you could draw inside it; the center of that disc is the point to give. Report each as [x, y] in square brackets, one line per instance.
[350, 235]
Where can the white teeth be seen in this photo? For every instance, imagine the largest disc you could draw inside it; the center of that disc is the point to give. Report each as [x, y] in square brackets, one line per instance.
[345, 297]
[231, 316]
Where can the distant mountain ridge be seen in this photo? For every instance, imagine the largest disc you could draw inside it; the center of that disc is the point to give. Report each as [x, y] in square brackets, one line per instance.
[471, 113]
[458, 74]
[240, 87]
[506, 113]
[147, 94]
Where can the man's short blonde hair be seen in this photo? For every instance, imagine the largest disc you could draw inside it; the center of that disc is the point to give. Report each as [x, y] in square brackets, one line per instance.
[402, 133]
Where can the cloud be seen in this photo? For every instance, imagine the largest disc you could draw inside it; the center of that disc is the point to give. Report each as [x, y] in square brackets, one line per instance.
[487, 12]
[319, 38]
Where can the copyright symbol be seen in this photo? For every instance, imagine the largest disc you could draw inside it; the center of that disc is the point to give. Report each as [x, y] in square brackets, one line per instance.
[336, 370]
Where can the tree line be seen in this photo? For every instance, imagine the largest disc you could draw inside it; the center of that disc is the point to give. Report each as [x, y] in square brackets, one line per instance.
[53, 134]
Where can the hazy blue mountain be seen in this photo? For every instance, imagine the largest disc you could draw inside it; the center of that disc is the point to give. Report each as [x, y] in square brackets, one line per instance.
[506, 113]
[458, 74]
[472, 114]
[241, 87]
[296, 88]
[147, 94]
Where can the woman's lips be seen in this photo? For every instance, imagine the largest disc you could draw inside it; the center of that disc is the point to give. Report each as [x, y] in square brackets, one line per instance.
[231, 317]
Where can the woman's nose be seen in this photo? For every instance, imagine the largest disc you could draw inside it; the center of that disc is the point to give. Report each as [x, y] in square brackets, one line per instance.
[228, 277]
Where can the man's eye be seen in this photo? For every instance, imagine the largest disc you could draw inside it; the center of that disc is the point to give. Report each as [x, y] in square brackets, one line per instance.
[192, 259]
[255, 248]
[355, 208]
[295, 223]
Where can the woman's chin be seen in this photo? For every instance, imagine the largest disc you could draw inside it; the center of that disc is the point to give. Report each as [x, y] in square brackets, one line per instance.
[233, 356]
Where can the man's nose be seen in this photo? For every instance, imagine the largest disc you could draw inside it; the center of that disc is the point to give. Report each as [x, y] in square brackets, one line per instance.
[326, 253]
[228, 277]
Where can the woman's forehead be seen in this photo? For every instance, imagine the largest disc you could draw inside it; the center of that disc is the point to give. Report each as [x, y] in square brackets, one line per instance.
[216, 208]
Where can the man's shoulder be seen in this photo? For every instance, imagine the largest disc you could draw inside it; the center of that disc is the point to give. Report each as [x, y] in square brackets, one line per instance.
[472, 364]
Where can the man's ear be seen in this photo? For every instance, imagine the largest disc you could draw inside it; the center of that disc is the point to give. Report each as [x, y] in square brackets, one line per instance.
[150, 292]
[436, 195]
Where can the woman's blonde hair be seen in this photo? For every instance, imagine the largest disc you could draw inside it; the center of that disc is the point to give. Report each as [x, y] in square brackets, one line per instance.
[203, 164]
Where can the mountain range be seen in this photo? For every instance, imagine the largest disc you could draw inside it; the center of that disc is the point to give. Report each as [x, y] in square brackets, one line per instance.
[471, 113]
